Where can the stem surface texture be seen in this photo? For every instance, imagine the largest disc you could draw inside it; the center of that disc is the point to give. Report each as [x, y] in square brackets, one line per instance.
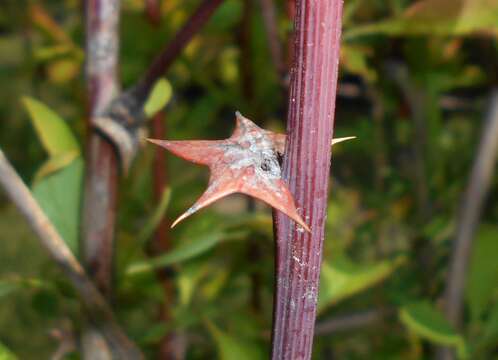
[306, 168]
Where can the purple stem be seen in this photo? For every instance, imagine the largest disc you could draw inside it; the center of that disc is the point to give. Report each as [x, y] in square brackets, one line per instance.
[306, 168]
[163, 61]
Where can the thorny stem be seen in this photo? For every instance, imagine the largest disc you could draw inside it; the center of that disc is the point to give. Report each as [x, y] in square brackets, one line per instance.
[468, 218]
[306, 168]
[96, 308]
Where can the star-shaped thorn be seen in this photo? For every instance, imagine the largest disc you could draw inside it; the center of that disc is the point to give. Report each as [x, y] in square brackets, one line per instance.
[245, 163]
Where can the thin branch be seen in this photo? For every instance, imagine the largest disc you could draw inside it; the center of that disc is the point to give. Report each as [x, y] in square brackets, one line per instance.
[350, 322]
[164, 60]
[306, 168]
[270, 23]
[417, 103]
[470, 212]
[95, 306]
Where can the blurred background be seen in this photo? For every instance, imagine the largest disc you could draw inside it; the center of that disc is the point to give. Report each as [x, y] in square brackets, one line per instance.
[416, 88]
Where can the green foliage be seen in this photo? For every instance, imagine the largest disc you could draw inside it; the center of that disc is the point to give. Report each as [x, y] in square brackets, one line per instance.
[441, 17]
[59, 195]
[158, 98]
[196, 242]
[341, 279]
[424, 320]
[414, 83]
[232, 348]
[482, 281]
[6, 354]
[52, 131]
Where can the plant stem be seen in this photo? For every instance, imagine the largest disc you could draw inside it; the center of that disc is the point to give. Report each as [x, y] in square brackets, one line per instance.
[99, 206]
[99, 212]
[163, 61]
[468, 218]
[348, 322]
[306, 167]
[96, 308]
[270, 22]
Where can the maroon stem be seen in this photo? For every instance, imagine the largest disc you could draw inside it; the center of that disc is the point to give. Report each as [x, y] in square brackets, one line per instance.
[271, 28]
[306, 168]
[99, 213]
[290, 8]
[173, 49]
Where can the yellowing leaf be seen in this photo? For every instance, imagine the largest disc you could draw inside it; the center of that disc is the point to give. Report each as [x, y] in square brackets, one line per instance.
[53, 132]
[63, 70]
[437, 17]
[158, 98]
[56, 163]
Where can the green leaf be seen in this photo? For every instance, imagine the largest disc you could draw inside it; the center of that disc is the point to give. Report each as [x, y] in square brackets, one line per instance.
[59, 195]
[158, 97]
[437, 17]
[233, 348]
[427, 322]
[482, 280]
[342, 279]
[6, 354]
[186, 250]
[53, 132]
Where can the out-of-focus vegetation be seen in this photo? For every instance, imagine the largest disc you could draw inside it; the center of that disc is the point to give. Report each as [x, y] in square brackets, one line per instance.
[415, 79]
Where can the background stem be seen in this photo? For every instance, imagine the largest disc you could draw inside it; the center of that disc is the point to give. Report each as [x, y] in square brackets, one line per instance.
[96, 308]
[468, 218]
[306, 167]
[99, 207]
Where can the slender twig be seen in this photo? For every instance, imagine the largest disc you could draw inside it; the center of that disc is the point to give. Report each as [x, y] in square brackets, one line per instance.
[166, 57]
[306, 168]
[348, 322]
[95, 305]
[416, 101]
[471, 207]
[270, 22]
